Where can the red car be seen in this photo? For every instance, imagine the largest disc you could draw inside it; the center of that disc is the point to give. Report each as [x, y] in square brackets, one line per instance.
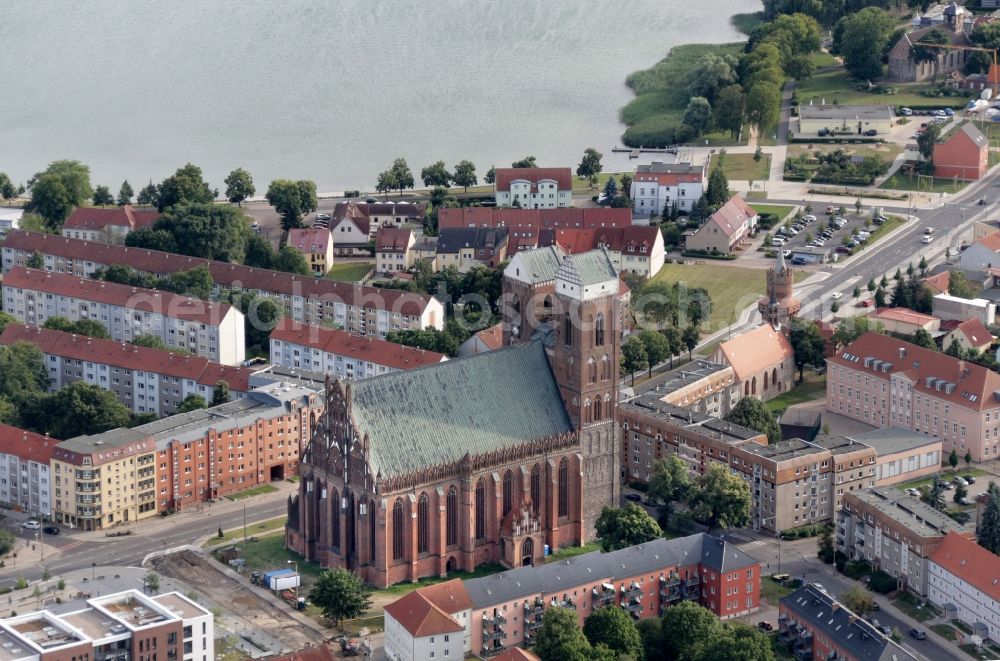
[867, 303]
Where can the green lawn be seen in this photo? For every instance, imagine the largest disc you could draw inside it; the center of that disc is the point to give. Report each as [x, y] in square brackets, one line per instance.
[812, 388]
[771, 590]
[405, 588]
[571, 551]
[910, 182]
[887, 151]
[349, 271]
[782, 211]
[907, 603]
[236, 534]
[731, 288]
[583, 186]
[269, 552]
[822, 59]
[835, 87]
[946, 631]
[253, 491]
[742, 167]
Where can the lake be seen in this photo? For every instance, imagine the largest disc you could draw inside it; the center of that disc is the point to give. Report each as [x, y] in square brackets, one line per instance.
[329, 91]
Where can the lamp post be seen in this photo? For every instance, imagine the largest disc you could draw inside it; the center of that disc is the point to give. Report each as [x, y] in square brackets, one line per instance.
[93, 569]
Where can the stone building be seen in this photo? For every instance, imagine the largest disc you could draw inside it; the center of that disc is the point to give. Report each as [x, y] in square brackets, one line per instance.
[780, 304]
[486, 458]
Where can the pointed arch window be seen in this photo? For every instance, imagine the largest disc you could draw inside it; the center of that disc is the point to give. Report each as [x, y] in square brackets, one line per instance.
[480, 510]
[568, 330]
[451, 517]
[536, 488]
[423, 534]
[508, 492]
[564, 487]
[398, 541]
[335, 532]
[599, 330]
[371, 532]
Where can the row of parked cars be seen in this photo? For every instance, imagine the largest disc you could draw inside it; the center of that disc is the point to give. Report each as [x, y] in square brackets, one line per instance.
[784, 234]
[941, 112]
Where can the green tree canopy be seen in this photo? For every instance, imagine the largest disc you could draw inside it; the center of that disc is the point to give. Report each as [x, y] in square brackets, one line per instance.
[616, 629]
[560, 637]
[807, 344]
[526, 162]
[465, 175]
[220, 395]
[669, 484]
[926, 141]
[56, 190]
[125, 194]
[989, 528]
[291, 260]
[192, 402]
[239, 186]
[292, 200]
[721, 499]
[752, 413]
[859, 600]
[717, 192]
[621, 527]
[436, 174]
[185, 186]
[634, 357]
[763, 105]
[737, 642]
[709, 75]
[340, 594]
[698, 114]
[861, 38]
[590, 165]
[75, 410]
[102, 197]
[207, 230]
[89, 327]
[686, 626]
[149, 195]
[657, 347]
[729, 109]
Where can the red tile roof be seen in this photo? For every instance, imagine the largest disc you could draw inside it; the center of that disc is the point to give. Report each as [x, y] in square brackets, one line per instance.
[223, 273]
[394, 239]
[617, 239]
[905, 315]
[973, 386]
[755, 350]
[939, 283]
[517, 654]
[90, 218]
[380, 352]
[991, 241]
[492, 337]
[172, 305]
[536, 219]
[732, 215]
[420, 617]
[975, 332]
[320, 653]
[128, 356]
[450, 596]
[307, 240]
[26, 445]
[970, 562]
[562, 176]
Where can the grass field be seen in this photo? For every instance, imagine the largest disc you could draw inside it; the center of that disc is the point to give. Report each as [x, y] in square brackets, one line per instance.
[742, 167]
[822, 59]
[901, 181]
[945, 474]
[269, 552]
[253, 491]
[812, 388]
[732, 288]
[252, 531]
[835, 87]
[887, 151]
[349, 271]
[782, 211]
[771, 590]
[583, 186]
[907, 603]
[572, 551]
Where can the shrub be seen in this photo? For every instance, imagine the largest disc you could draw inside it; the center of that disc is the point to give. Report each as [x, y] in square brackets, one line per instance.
[882, 582]
[857, 568]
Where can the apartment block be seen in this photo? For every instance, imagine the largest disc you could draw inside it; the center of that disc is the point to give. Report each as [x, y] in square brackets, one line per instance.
[341, 354]
[359, 310]
[316, 246]
[104, 480]
[660, 186]
[116, 627]
[812, 624]
[394, 249]
[143, 379]
[107, 225]
[526, 223]
[209, 329]
[895, 532]
[25, 480]
[700, 386]
[965, 583]
[887, 382]
[498, 612]
[903, 455]
[534, 188]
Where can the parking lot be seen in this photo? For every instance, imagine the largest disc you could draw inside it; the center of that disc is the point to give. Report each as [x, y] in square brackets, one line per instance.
[812, 227]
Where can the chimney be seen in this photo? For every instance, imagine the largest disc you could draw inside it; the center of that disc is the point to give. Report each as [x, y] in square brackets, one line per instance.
[961, 369]
[902, 352]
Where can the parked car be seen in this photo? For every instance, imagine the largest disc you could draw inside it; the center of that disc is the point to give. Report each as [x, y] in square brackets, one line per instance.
[918, 634]
[798, 261]
[905, 112]
[867, 303]
[871, 133]
[927, 238]
[964, 501]
[947, 486]
[837, 295]
[809, 218]
[823, 132]
[322, 216]
[31, 524]
[959, 480]
[633, 497]
[969, 478]
[829, 209]
[843, 250]
[51, 530]
[949, 112]
[940, 113]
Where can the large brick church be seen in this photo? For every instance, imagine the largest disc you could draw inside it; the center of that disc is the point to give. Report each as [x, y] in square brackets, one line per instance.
[487, 458]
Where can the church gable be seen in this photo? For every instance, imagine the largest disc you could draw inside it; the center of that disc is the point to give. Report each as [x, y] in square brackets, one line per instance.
[437, 414]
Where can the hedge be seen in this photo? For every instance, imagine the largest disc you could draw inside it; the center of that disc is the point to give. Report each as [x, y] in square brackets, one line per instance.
[835, 140]
[882, 582]
[707, 255]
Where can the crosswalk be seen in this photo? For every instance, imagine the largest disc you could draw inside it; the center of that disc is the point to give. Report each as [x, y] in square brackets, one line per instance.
[752, 545]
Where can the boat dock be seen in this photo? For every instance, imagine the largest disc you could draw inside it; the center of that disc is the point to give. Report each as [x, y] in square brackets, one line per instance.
[634, 152]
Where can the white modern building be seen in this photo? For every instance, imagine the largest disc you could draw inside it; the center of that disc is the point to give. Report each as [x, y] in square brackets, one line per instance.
[534, 188]
[10, 219]
[965, 582]
[204, 328]
[416, 629]
[24, 470]
[661, 185]
[948, 307]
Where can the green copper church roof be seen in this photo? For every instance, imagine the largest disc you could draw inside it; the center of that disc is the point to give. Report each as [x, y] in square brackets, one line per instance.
[589, 268]
[477, 404]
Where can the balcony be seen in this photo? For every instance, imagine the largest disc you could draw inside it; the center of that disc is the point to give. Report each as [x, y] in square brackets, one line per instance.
[489, 651]
[491, 636]
[670, 588]
[495, 622]
[603, 596]
[533, 609]
[567, 603]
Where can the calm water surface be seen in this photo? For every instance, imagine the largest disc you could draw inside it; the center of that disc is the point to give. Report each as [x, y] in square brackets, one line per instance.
[330, 91]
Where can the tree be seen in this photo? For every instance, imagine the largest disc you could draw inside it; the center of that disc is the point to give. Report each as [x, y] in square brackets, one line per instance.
[634, 357]
[340, 594]
[858, 600]
[7, 188]
[560, 637]
[125, 194]
[102, 197]
[35, 261]
[933, 495]
[861, 38]
[436, 175]
[698, 114]
[151, 583]
[807, 344]
[958, 285]
[23, 376]
[491, 175]
[465, 175]
[709, 75]
[685, 627]
[657, 347]
[291, 260]
[989, 527]
[926, 141]
[961, 493]
[736, 642]
[610, 191]
[721, 499]
[669, 484]
[690, 338]
[239, 186]
[752, 413]
[650, 634]
[262, 316]
[590, 166]
[185, 186]
[221, 393]
[148, 195]
[621, 527]
[191, 403]
[825, 548]
[82, 327]
[205, 230]
[385, 183]
[76, 410]
[967, 458]
[293, 199]
[879, 298]
[259, 252]
[717, 192]
[763, 103]
[401, 175]
[729, 108]
[616, 629]
[526, 162]
[150, 342]
[924, 339]
[51, 200]
[953, 459]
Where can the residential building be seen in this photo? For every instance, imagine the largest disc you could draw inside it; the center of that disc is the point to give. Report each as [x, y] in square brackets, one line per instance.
[894, 532]
[394, 249]
[906, 321]
[982, 254]
[359, 310]
[340, 354]
[887, 382]
[425, 248]
[145, 380]
[947, 307]
[844, 120]
[965, 582]
[762, 359]
[970, 335]
[416, 629]
[779, 305]
[534, 188]
[488, 339]
[962, 154]
[351, 233]
[379, 214]
[635, 249]
[505, 610]
[25, 480]
[104, 480]
[124, 625]
[10, 219]
[316, 245]
[903, 454]
[940, 283]
[726, 230]
[700, 386]
[814, 625]
[949, 18]
[468, 247]
[525, 223]
[660, 186]
[533, 422]
[205, 328]
[107, 225]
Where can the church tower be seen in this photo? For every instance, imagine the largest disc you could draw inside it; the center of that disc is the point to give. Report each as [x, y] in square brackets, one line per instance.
[780, 304]
[584, 356]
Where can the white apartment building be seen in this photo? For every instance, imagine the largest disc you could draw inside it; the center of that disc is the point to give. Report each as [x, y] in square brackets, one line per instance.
[340, 354]
[25, 481]
[209, 329]
[965, 580]
[659, 185]
[534, 188]
[416, 629]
